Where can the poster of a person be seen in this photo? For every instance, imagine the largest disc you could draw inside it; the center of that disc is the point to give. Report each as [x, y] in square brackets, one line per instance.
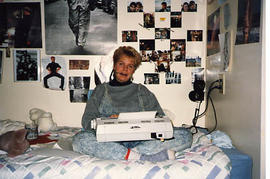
[26, 65]
[20, 25]
[54, 73]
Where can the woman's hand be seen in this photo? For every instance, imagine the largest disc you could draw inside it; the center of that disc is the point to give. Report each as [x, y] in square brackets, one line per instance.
[114, 116]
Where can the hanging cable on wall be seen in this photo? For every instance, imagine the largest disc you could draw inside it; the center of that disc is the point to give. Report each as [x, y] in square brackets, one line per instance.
[197, 95]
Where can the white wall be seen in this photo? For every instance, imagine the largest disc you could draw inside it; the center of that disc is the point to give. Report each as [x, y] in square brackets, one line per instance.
[239, 110]
[17, 98]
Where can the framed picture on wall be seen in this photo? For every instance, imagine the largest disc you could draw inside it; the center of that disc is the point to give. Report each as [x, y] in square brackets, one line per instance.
[26, 65]
[1, 65]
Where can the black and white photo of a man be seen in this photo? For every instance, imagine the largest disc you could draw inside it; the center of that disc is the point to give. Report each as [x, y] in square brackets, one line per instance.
[81, 27]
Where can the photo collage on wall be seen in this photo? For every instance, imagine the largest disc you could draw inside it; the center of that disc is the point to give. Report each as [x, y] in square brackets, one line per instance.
[164, 21]
[20, 28]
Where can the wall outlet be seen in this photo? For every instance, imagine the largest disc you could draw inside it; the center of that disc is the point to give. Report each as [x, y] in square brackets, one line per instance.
[222, 83]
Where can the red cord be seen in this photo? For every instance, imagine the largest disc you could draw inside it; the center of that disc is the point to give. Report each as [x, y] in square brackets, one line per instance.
[128, 152]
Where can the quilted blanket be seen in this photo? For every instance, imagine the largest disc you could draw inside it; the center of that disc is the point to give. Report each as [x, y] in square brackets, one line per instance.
[202, 160]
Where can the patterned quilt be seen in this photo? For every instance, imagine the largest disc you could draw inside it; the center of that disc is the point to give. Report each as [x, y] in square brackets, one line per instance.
[202, 160]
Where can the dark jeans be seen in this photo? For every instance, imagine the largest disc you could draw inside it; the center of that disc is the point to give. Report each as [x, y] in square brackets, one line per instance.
[51, 75]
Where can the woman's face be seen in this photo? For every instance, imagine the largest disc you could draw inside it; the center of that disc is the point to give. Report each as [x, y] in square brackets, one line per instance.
[124, 68]
[185, 8]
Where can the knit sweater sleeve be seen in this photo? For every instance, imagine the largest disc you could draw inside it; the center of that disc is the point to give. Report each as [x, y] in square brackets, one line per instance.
[150, 101]
[91, 110]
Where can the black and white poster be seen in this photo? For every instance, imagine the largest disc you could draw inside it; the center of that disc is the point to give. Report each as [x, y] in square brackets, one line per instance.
[78, 88]
[78, 28]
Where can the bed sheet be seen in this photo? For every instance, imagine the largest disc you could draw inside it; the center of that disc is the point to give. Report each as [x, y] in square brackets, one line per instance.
[202, 160]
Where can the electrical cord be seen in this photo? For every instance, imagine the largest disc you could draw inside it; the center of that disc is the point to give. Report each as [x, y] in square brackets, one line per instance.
[215, 114]
[197, 110]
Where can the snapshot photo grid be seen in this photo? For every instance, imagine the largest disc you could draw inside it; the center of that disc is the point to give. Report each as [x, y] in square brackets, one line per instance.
[164, 13]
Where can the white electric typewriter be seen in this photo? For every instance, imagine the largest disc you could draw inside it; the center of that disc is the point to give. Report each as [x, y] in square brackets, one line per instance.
[133, 126]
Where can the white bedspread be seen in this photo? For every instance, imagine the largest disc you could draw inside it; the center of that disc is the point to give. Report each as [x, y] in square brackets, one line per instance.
[202, 160]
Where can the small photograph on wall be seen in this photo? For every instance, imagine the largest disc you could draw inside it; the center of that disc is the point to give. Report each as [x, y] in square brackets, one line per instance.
[1, 65]
[147, 44]
[78, 64]
[162, 33]
[179, 45]
[134, 6]
[147, 55]
[197, 74]
[26, 65]
[129, 36]
[80, 28]
[54, 72]
[189, 6]
[163, 61]
[162, 5]
[20, 25]
[193, 61]
[176, 19]
[78, 89]
[194, 35]
[213, 29]
[151, 78]
[248, 26]
[173, 78]
[148, 20]
[178, 56]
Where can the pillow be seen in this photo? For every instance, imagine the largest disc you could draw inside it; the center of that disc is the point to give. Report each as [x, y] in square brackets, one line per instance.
[220, 139]
[9, 125]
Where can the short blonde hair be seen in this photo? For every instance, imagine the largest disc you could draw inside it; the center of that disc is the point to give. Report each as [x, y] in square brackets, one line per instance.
[129, 52]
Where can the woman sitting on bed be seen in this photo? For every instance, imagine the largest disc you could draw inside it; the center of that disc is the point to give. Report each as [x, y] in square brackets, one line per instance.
[122, 95]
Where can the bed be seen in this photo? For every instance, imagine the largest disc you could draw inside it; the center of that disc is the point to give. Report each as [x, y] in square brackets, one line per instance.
[57, 160]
